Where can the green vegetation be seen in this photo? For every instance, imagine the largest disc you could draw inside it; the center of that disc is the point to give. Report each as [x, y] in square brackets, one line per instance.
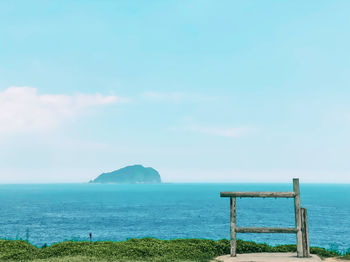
[347, 255]
[136, 174]
[147, 249]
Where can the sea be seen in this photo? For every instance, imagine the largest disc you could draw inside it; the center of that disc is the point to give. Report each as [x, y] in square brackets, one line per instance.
[49, 213]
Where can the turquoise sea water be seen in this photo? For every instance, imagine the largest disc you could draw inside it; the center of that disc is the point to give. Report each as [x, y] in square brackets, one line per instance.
[58, 212]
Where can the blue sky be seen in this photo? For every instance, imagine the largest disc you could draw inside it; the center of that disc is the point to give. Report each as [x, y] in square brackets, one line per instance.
[203, 91]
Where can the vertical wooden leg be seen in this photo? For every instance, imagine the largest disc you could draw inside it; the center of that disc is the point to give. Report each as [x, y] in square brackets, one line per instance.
[305, 231]
[298, 217]
[233, 226]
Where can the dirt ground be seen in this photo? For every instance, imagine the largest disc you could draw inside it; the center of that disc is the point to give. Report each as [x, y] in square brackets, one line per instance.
[272, 257]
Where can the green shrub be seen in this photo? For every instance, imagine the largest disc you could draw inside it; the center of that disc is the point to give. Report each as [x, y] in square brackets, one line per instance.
[251, 247]
[146, 249]
[17, 250]
[322, 252]
[284, 248]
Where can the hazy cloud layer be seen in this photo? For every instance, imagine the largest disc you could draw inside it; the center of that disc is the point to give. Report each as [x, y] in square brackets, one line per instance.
[23, 109]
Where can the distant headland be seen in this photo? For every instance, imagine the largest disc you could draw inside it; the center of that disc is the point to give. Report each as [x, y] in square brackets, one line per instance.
[136, 174]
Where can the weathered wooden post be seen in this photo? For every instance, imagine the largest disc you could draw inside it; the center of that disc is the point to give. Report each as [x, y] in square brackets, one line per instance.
[233, 226]
[305, 231]
[298, 217]
[300, 229]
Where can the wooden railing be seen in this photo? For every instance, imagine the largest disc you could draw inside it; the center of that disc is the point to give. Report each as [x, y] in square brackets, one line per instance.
[300, 229]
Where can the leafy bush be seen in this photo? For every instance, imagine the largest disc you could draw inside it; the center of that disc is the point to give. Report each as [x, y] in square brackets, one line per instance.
[322, 252]
[17, 250]
[146, 249]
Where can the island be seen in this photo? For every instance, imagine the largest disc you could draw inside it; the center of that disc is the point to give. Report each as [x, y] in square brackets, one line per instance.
[136, 174]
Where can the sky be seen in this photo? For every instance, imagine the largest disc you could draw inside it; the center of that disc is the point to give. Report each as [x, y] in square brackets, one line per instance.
[202, 91]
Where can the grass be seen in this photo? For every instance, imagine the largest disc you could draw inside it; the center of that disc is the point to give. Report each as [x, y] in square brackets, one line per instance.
[147, 249]
[347, 256]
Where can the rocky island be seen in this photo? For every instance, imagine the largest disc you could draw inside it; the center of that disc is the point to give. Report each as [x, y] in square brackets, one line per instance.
[136, 174]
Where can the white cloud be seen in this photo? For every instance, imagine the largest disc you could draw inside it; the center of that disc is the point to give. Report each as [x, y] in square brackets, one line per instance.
[23, 109]
[231, 132]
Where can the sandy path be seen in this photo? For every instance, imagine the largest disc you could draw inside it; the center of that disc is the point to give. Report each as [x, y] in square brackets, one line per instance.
[268, 257]
[273, 257]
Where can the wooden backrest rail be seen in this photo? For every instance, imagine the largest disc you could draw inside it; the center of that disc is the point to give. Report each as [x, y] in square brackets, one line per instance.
[258, 194]
[301, 227]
